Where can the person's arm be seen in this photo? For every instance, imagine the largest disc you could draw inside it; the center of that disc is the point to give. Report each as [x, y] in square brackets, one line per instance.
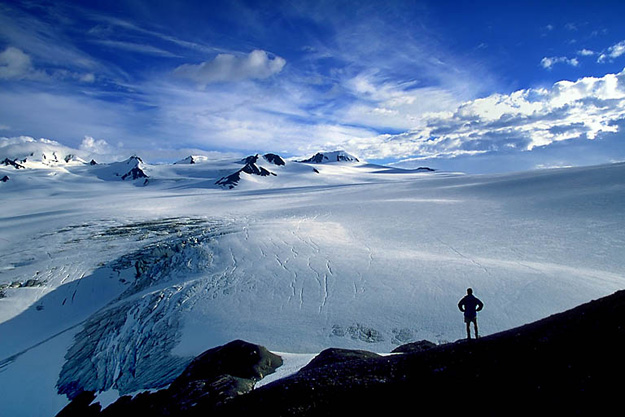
[480, 305]
[461, 305]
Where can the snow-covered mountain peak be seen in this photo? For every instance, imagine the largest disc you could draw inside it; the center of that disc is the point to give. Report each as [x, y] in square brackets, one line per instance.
[192, 160]
[335, 156]
[26, 152]
[253, 168]
[272, 158]
[132, 168]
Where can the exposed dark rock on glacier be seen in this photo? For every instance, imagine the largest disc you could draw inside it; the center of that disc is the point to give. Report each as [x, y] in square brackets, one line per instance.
[274, 159]
[569, 363]
[134, 174]
[13, 163]
[192, 160]
[215, 377]
[223, 373]
[130, 169]
[325, 157]
[5, 178]
[250, 168]
[81, 406]
[188, 160]
[565, 364]
[333, 356]
[415, 347]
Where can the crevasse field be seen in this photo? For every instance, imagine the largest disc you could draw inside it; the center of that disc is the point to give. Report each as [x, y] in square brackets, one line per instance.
[114, 285]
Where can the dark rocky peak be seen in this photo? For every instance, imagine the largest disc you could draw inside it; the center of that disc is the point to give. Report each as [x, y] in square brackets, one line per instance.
[192, 160]
[274, 159]
[250, 168]
[134, 160]
[5, 178]
[134, 174]
[13, 163]
[252, 159]
[328, 157]
[130, 169]
[51, 158]
[188, 160]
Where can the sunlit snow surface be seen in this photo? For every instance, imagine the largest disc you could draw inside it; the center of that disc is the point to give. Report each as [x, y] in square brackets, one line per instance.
[113, 285]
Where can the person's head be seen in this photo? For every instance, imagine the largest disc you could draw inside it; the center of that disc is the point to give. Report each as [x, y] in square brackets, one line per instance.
[469, 291]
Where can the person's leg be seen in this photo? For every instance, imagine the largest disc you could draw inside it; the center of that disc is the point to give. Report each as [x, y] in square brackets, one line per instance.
[468, 329]
[475, 325]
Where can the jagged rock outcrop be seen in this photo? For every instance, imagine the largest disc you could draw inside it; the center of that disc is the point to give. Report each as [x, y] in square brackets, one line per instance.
[333, 356]
[134, 174]
[274, 159]
[213, 378]
[326, 157]
[414, 347]
[191, 160]
[130, 169]
[5, 178]
[567, 364]
[251, 167]
[13, 163]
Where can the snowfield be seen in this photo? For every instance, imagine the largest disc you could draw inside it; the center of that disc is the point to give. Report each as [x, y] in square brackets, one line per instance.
[113, 285]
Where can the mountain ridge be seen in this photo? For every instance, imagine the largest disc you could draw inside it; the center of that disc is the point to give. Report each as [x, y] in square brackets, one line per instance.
[541, 367]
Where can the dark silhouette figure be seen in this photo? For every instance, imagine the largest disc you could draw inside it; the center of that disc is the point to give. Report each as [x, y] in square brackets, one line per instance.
[470, 305]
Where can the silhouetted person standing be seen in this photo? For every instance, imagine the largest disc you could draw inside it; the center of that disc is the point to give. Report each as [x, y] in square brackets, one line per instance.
[470, 305]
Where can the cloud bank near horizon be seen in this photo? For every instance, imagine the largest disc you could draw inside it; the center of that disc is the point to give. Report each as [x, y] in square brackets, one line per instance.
[112, 83]
[581, 110]
[523, 120]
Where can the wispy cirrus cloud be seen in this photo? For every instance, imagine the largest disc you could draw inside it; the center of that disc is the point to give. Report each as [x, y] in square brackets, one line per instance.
[136, 47]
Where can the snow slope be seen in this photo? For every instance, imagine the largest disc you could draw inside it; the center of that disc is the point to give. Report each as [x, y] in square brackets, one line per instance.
[117, 287]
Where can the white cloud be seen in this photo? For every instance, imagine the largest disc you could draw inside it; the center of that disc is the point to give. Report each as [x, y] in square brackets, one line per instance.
[258, 64]
[98, 146]
[14, 64]
[382, 103]
[521, 121]
[612, 52]
[586, 52]
[549, 62]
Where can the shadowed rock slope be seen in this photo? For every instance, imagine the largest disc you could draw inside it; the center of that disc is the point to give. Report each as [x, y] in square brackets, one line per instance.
[567, 364]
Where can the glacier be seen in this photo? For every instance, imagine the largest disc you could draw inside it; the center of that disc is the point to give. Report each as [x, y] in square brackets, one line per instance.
[133, 282]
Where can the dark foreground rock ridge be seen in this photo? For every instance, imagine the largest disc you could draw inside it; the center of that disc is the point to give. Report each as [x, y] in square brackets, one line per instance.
[571, 363]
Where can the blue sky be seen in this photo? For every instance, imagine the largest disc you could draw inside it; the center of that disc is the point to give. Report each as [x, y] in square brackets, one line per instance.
[476, 86]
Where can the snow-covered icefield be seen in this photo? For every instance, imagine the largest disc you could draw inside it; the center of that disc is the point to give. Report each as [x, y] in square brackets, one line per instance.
[112, 285]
